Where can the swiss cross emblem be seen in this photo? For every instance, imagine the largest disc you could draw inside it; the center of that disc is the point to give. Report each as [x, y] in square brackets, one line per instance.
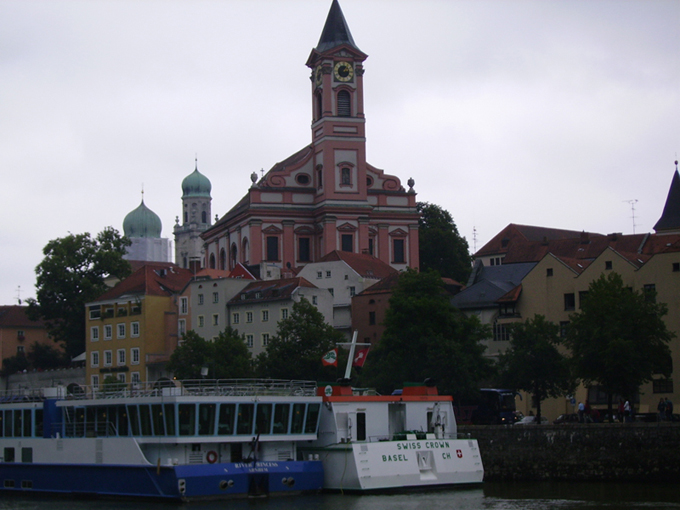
[459, 453]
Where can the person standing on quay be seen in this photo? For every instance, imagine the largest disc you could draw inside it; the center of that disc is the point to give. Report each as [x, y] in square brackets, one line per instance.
[581, 410]
[669, 410]
[662, 409]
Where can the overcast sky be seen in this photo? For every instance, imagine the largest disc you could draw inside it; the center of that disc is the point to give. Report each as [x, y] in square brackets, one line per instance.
[550, 113]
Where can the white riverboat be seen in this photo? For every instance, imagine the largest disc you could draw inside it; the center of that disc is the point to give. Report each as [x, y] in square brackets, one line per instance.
[206, 439]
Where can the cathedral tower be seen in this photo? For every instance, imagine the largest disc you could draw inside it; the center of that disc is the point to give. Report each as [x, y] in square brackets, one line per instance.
[196, 202]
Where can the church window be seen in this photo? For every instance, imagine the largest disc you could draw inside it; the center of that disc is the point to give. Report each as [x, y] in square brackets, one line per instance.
[186, 217]
[344, 104]
[347, 242]
[212, 261]
[302, 179]
[204, 217]
[234, 253]
[223, 259]
[319, 177]
[345, 176]
[370, 246]
[319, 106]
[399, 256]
[304, 254]
[272, 248]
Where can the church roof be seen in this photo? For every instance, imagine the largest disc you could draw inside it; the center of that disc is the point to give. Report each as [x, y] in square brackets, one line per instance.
[142, 222]
[335, 31]
[670, 218]
[196, 185]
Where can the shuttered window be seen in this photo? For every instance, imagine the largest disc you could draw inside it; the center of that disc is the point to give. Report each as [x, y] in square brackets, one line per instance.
[344, 107]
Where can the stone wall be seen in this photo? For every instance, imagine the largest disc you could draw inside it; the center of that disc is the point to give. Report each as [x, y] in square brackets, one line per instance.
[602, 452]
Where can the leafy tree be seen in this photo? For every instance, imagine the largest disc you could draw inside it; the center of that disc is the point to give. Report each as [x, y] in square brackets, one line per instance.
[619, 338]
[442, 248]
[225, 358]
[301, 341]
[14, 364]
[72, 274]
[426, 337]
[534, 364]
[46, 357]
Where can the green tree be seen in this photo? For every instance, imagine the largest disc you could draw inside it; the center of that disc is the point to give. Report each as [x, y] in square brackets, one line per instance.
[426, 337]
[442, 248]
[619, 339]
[301, 341]
[14, 364]
[46, 357]
[534, 364]
[73, 273]
[227, 357]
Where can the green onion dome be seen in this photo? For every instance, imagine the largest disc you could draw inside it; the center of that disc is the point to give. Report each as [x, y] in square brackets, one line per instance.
[142, 222]
[196, 185]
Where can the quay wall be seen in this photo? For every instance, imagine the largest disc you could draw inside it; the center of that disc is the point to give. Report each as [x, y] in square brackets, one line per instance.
[640, 452]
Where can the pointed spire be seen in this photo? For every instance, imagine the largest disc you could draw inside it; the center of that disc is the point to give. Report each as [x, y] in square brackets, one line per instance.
[670, 218]
[335, 31]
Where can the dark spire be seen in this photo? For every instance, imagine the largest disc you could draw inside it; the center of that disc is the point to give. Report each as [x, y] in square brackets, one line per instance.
[335, 31]
[670, 218]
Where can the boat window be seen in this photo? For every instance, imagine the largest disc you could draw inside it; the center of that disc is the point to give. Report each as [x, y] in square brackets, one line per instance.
[187, 420]
[281, 416]
[206, 419]
[17, 423]
[8, 423]
[225, 426]
[361, 426]
[9, 454]
[90, 420]
[102, 421]
[122, 421]
[263, 423]
[2, 424]
[157, 418]
[27, 455]
[79, 429]
[134, 420]
[170, 419]
[145, 420]
[298, 418]
[312, 418]
[244, 424]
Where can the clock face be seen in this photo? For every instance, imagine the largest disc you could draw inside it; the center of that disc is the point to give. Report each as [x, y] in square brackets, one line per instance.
[343, 71]
[318, 76]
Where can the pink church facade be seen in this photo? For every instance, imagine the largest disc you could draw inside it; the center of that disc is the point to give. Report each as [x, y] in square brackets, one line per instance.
[326, 196]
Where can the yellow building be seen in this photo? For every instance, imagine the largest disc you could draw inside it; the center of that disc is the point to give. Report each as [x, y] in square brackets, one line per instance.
[548, 271]
[132, 328]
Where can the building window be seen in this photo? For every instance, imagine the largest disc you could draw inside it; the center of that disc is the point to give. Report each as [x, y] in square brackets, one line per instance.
[108, 358]
[183, 305]
[265, 315]
[328, 274]
[95, 381]
[216, 319]
[249, 341]
[265, 339]
[200, 299]
[344, 104]
[201, 321]
[120, 331]
[94, 333]
[569, 301]
[134, 356]
[607, 264]
[134, 329]
[662, 385]
[347, 242]
[216, 297]
[501, 333]
[398, 247]
[549, 271]
[134, 378]
[315, 301]
[182, 327]
[345, 176]
[249, 317]
[564, 329]
[94, 359]
[95, 312]
[352, 291]
[676, 267]
[121, 357]
[20, 349]
[284, 313]
[371, 318]
[235, 318]
[304, 252]
[650, 292]
[319, 274]
[108, 332]
[272, 248]
[121, 378]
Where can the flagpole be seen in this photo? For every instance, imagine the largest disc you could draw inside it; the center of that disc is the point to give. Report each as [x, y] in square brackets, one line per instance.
[348, 370]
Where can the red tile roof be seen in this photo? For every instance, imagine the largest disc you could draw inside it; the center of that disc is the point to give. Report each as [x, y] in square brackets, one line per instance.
[364, 264]
[263, 290]
[152, 279]
[12, 316]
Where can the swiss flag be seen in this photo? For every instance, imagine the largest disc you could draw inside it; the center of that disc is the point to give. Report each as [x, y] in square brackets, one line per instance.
[360, 357]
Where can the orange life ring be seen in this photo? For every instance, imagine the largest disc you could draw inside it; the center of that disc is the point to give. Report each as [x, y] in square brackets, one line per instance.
[211, 457]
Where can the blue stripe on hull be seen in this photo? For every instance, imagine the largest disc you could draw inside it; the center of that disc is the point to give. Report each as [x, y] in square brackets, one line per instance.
[173, 482]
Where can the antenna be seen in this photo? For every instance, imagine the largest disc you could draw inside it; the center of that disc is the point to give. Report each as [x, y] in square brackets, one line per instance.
[632, 203]
[474, 239]
[19, 294]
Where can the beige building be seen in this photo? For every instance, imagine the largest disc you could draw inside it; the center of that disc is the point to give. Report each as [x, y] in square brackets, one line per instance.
[558, 268]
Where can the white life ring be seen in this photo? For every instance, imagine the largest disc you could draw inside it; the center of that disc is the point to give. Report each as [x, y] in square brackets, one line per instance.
[211, 457]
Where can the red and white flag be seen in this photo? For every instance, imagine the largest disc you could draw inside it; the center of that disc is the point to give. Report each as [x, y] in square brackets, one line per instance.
[330, 358]
[360, 357]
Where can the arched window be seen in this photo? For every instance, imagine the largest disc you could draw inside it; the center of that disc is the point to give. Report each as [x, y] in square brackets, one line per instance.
[319, 106]
[234, 254]
[204, 217]
[223, 258]
[344, 104]
[345, 176]
[212, 261]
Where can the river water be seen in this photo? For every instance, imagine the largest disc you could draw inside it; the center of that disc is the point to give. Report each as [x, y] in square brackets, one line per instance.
[490, 496]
